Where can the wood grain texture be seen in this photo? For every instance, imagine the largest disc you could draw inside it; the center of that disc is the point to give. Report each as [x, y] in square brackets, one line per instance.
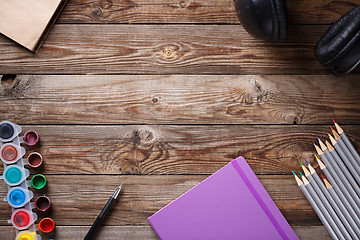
[78, 199]
[185, 89]
[180, 99]
[145, 232]
[164, 49]
[169, 149]
[194, 11]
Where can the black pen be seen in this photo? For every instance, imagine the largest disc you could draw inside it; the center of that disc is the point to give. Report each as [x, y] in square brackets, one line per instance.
[102, 215]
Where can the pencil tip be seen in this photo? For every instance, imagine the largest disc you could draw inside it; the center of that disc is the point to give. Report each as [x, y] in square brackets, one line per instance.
[331, 128]
[300, 173]
[294, 173]
[334, 121]
[317, 138]
[307, 163]
[316, 157]
[322, 176]
[301, 163]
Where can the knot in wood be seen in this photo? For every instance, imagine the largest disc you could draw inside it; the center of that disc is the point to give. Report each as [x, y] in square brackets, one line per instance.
[8, 79]
[96, 11]
[155, 100]
[169, 53]
[14, 87]
[182, 4]
[143, 136]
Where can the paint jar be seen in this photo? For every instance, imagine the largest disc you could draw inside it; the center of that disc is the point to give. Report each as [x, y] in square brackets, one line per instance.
[11, 153]
[22, 218]
[42, 203]
[34, 159]
[18, 196]
[38, 181]
[8, 131]
[31, 138]
[27, 235]
[46, 225]
[14, 175]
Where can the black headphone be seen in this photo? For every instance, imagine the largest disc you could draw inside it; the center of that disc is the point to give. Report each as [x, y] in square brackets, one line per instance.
[338, 47]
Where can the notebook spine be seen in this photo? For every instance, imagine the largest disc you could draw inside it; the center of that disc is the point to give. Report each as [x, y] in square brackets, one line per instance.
[259, 200]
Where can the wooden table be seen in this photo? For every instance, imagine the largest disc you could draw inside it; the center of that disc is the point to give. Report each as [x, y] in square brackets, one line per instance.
[161, 94]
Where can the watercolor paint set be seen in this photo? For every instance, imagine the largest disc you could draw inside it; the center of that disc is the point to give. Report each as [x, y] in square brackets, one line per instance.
[15, 175]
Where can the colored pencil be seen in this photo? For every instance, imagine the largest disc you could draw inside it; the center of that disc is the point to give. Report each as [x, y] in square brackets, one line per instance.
[338, 175]
[345, 198]
[342, 207]
[326, 204]
[354, 169]
[336, 135]
[346, 150]
[315, 207]
[347, 142]
[343, 168]
[326, 197]
[321, 206]
[322, 145]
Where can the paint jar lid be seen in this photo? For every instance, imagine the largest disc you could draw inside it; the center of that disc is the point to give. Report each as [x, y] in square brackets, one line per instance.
[8, 131]
[27, 235]
[14, 175]
[17, 197]
[22, 218]
[42, 203]
[11, 153]
[38, 181]
[34, 159]
[46, 225]
[31, 138]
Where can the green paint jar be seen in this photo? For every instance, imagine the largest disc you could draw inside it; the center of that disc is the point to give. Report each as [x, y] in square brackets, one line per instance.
[38, 181]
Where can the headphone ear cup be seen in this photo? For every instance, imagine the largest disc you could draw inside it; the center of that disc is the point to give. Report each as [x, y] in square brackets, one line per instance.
[256, 17]
[339, 39]
[280, 8]
[263, 19]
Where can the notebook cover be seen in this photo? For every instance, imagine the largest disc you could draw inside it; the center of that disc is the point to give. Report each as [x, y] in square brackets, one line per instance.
[230, 204]
[28, 21]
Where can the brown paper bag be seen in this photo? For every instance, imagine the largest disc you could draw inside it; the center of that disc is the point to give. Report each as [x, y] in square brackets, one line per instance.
[29, 21]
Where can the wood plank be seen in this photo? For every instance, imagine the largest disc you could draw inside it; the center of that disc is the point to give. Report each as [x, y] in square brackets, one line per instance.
[169, 149]
[78, 199]
[180, 99]
[199, 11]
[163, 49]
[145, 232]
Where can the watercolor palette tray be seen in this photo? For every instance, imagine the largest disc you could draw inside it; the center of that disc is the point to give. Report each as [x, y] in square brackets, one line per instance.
[15, 175]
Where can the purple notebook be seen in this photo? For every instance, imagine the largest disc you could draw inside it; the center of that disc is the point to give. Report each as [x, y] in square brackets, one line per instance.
[230, 204]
